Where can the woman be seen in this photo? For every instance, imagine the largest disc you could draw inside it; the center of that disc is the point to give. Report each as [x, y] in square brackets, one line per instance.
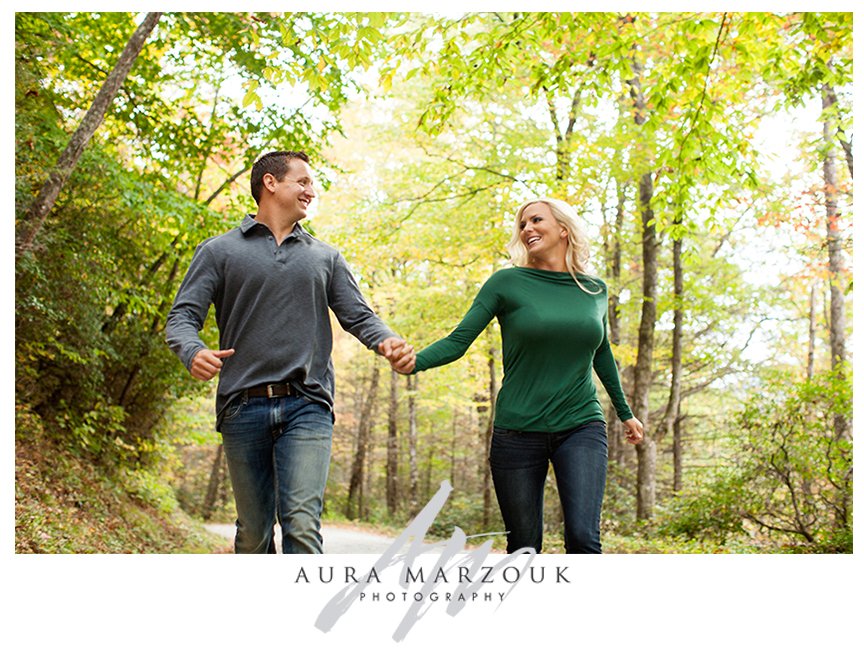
[553, 331]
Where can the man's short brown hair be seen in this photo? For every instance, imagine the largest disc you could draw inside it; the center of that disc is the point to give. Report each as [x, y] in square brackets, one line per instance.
[275, 163]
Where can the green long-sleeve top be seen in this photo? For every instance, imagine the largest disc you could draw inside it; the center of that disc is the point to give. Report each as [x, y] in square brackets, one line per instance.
[552, 334]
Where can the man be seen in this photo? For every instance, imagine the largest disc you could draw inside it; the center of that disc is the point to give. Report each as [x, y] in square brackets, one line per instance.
[272, 283]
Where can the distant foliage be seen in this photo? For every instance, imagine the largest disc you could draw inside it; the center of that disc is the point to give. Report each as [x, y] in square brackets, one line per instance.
[798, 473]
[789, 478]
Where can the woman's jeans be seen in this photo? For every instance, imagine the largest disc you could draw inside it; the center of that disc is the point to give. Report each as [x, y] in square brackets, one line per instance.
[278, 453]
[520, 461]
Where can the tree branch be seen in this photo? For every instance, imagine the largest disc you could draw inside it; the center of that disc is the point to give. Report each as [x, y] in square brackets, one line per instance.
[41, 207]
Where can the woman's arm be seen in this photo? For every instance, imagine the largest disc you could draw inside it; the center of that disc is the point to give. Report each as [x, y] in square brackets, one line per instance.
[454, 345]
[607, 371]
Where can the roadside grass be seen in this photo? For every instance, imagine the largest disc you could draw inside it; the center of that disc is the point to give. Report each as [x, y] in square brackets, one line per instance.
[65, 503]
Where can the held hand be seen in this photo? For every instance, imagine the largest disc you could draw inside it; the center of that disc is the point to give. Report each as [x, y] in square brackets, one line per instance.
[633, 431]
[206, 363]
[405, 364]
[389, 346]
[400, 355]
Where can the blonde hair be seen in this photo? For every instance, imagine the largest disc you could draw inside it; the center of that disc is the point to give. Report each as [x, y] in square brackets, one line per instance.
[578, 251]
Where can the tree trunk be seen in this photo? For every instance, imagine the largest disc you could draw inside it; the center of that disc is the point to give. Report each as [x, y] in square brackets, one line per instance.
[674, 402]
[413, 474]
[563, 138]
[454, 429]
[214, 485]
[811, 336]
[646, 451]
[829, 99]
[393, 446]
[837, 325]
[487, 439]
[677, 456]
[673, 406]
[612, 244]
[138, 364]
[427, 478]
[365, 496]
[208, 144]
[364, 428]
[41, 207]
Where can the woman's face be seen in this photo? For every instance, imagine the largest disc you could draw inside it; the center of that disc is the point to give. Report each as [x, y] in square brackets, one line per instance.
[540, 232]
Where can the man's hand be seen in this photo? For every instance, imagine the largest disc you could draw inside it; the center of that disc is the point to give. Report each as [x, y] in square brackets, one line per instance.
[206, 363]
[400, 355]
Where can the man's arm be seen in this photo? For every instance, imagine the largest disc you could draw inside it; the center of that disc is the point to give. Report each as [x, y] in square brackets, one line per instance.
[187, 315]
[352, 311]
[357, 317]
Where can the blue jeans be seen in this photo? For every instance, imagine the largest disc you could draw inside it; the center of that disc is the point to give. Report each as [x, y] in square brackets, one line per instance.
[519, 462]
[278, 453]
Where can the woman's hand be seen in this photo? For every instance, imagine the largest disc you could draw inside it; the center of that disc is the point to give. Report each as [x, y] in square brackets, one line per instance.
[633, 431]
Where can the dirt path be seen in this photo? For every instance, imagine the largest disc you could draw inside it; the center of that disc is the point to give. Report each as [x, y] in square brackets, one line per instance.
[337, 539]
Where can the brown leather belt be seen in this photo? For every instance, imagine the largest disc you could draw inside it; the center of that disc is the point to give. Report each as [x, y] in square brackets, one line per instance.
[272, 390]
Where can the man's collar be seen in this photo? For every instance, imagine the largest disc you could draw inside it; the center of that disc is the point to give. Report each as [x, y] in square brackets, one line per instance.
[250, 222]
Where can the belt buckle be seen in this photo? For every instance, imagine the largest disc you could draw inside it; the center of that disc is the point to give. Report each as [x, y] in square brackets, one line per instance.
[270, 388]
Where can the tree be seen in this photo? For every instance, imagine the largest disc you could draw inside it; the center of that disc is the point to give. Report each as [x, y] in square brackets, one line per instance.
[487, 437]
[356, 492]
[834, 243]
[819, 62]
[44, 202]
[646, 451]
[414, 478]
[392, 477]
[672, 417]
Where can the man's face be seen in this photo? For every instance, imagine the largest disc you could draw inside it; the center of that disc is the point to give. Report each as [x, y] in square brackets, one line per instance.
[295, 191]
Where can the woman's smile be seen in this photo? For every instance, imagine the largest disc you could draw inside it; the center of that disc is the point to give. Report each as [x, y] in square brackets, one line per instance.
[540, 231]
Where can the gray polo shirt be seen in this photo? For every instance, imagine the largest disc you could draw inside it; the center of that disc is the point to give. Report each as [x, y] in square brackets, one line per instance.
[272, 308]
